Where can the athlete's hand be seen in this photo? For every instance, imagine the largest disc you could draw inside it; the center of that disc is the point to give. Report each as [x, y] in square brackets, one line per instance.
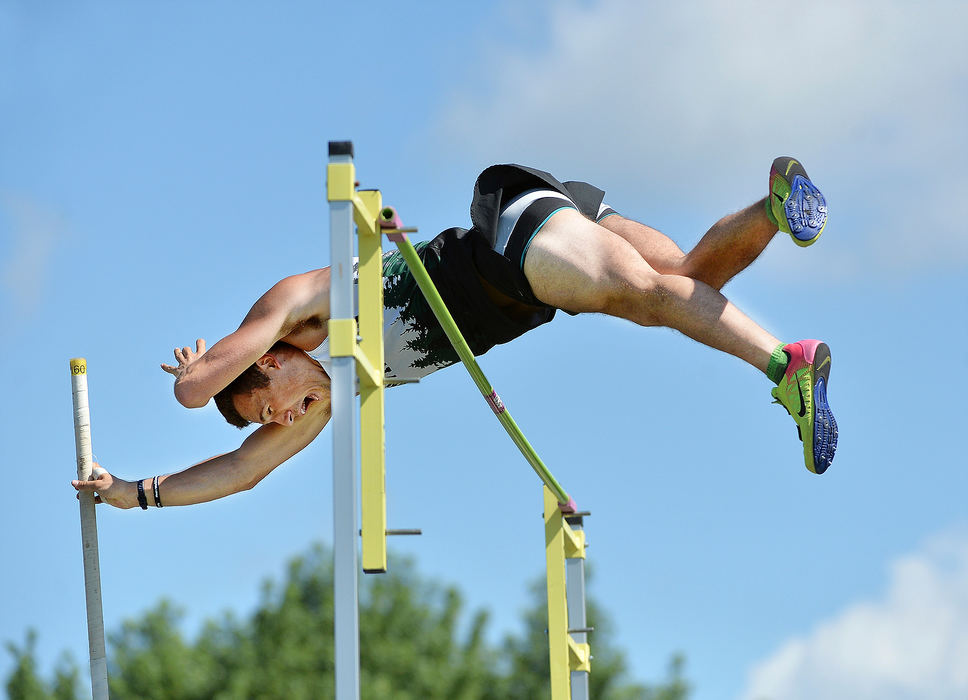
[109, 489]
[185, 357]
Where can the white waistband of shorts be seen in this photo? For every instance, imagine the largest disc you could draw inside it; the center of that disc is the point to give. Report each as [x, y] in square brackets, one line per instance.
[513, 211]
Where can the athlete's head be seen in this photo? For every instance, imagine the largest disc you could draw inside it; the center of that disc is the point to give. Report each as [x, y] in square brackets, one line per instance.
[278, 388]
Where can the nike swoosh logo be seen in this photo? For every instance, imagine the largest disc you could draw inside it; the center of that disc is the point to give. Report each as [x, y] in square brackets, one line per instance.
[803, 406]
[826, 361]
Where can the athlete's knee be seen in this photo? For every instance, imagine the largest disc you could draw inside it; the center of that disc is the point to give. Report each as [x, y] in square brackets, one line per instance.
[640, 295]
[614, 222]
[657, 249]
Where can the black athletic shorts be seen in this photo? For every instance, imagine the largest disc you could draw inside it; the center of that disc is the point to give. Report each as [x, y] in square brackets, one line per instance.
[510, 205]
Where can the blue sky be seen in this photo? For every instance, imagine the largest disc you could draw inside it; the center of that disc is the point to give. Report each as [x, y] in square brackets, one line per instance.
[161, 167]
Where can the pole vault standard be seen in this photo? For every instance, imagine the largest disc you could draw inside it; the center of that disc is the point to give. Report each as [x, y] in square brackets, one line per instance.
[92, 570]
[346, 619]
[357, 351]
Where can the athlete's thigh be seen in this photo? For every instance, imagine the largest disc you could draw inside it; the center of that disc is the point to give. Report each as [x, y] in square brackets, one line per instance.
[575, 264]
[655, 247]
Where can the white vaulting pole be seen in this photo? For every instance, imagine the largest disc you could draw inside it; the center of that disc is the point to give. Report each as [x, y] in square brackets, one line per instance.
[92, 572]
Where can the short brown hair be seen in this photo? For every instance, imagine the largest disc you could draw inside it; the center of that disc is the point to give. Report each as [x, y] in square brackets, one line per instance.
[251, 379]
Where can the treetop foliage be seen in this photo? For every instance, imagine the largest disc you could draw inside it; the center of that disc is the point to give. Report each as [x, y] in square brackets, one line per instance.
[414, 645]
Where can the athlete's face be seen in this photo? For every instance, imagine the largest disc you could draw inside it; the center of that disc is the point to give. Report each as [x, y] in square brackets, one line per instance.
[296, 382]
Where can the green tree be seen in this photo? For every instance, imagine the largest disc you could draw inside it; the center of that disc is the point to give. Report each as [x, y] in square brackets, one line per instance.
[528, 659]
[674, 687]
[151, 660]
[23, 682]
[413, 646]
[66, 679]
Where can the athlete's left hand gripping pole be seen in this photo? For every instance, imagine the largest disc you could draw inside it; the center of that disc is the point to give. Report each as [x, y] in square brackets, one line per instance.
[92, 571]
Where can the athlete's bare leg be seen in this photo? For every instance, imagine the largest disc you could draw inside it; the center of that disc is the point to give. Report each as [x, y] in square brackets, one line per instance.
[581, 266]
[725, 250]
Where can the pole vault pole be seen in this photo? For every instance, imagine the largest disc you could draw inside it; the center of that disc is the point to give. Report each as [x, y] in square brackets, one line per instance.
[391, 221]
[92, 569]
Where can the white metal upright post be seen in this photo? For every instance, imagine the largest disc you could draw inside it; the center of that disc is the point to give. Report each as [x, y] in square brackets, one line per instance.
[92, 571]
[343, 401]
[577, 623]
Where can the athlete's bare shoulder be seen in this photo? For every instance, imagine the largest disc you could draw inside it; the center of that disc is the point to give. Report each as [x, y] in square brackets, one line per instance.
[307, 295]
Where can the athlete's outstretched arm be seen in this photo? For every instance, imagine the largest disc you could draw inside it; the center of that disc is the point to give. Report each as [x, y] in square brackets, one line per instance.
[201, 374]
[220, 476]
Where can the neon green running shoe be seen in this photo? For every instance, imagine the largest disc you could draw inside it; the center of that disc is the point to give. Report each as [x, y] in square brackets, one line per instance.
[803, 393]
[795, 205]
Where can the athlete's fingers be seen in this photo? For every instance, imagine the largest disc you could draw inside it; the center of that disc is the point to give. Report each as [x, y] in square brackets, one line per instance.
[168, 368]
[200, 345]
[187, 351]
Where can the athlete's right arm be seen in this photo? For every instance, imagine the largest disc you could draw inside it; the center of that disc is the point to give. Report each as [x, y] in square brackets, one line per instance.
[220, 476]
[202, 374]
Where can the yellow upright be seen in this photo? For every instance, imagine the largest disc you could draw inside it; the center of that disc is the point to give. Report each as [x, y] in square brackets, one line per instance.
[561, 543]
[372, 447]
[365, 344]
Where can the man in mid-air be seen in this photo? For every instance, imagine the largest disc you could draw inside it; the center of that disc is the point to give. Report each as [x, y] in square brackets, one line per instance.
[536, 245]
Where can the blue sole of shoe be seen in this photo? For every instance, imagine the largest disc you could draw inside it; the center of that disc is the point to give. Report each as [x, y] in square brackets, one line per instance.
[805, 209]
[824, 428]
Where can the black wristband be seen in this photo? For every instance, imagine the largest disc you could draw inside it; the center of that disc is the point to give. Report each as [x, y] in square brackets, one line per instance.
[142, 500]
[154, 488]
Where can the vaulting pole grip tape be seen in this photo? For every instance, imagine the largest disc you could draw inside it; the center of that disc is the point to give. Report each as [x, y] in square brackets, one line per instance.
[447, 322]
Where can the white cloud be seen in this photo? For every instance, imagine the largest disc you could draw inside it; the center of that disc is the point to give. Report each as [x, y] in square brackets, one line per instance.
[910, 644]
[684, 98]
[33, 236]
